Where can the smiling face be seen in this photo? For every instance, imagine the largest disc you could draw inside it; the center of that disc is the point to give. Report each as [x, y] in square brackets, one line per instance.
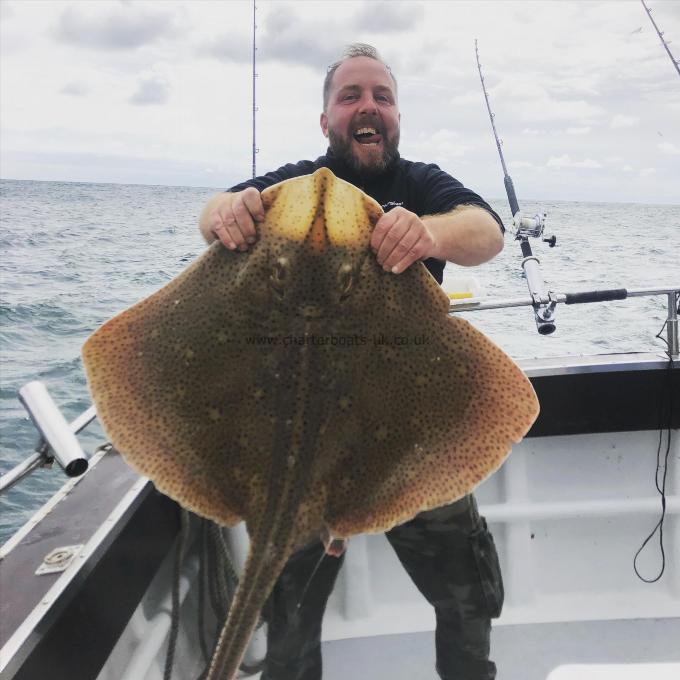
[362, 117]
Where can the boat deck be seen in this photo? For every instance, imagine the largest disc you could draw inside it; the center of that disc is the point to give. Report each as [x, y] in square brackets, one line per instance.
[521, 652]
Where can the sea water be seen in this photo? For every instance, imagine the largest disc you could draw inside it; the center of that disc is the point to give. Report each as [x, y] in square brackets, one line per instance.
[75, 254]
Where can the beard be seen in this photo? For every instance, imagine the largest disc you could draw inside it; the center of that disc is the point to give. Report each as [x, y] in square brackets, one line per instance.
[370, 167]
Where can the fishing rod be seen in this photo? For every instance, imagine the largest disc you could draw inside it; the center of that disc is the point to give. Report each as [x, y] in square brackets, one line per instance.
[660, 34]
[524, 228]
[255, 109]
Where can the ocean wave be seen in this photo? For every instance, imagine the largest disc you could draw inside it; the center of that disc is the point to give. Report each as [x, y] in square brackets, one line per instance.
[50, 317]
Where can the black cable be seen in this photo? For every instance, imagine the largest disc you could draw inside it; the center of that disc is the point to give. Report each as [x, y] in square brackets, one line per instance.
[309, 582]
[661, 487]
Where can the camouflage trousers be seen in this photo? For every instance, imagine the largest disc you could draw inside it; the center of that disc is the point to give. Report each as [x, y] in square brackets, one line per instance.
[450, 556]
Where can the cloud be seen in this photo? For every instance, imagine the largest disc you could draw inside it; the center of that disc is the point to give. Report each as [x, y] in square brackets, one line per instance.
[621, 121]
[122, 27]
[534, 102]
[669, 148]
[284, 38]
[6, 10]
[153, 90]
[531, 132]
[230, 48]
[440, 147]
[292, 40]
[281, 18]
[578, 130]
[646, 172]
[521, 164]
[565, 161]
[469, 98]
[75, 89]
[387, 17]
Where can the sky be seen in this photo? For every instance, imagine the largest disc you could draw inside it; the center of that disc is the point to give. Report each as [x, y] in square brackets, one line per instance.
[586, 100]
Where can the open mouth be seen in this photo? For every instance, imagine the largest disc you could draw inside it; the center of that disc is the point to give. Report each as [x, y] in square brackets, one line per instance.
[367, 136]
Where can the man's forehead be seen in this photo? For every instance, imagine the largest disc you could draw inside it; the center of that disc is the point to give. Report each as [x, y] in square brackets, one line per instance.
[360, 71]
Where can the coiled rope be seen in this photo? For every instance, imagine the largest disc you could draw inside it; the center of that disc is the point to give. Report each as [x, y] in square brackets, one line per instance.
[217, 582]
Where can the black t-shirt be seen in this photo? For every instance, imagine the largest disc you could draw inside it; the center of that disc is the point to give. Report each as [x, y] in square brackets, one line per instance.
[422, 188]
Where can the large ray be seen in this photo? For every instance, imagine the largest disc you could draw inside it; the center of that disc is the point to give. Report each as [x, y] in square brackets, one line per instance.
[299, 387]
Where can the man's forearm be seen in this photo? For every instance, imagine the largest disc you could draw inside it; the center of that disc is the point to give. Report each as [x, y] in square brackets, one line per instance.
[467, 236]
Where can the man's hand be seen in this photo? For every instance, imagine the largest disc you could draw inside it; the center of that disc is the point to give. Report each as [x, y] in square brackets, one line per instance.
[467, 236]
[231, 217]
[401, 238]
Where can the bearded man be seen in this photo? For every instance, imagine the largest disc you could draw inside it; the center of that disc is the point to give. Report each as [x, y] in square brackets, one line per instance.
[429, 216]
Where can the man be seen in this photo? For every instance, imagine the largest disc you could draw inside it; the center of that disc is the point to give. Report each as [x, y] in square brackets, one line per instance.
[429, 216]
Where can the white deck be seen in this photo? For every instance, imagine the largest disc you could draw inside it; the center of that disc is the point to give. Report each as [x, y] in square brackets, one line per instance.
[623, 650]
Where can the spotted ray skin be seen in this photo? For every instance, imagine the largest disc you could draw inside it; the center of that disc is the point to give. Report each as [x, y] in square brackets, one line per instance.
[299, 387]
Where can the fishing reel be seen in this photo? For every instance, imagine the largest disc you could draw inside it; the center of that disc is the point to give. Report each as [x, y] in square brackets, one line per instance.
[524, 227]
[544, 304]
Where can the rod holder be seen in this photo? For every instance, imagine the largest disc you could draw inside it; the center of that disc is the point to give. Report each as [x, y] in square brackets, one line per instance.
[672, 327]
[54, 429]
[544, 314]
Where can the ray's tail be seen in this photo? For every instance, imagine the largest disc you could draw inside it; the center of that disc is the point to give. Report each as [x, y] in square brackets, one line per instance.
[259, 576]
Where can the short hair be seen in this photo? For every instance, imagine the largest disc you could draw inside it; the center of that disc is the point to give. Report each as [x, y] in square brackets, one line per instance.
[351, 51]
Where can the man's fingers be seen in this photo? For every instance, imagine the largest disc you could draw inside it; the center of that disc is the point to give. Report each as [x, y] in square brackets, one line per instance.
[253, 203]
[414, 253]
[397, 240]
[217, 226]
[394, 230]
[382, 228]
[405, 252]
[223, 225]
[243, 225]
[234, 223]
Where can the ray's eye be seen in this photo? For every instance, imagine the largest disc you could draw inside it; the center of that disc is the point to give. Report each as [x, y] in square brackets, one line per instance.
[345, 280]
[278, 278]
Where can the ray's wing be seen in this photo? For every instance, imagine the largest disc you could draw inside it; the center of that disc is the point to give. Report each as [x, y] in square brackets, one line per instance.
[169, 378]
[435, 406]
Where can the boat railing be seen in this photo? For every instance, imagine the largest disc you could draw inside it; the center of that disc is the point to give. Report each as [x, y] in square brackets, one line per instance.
[550, 300]
[58, 439]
